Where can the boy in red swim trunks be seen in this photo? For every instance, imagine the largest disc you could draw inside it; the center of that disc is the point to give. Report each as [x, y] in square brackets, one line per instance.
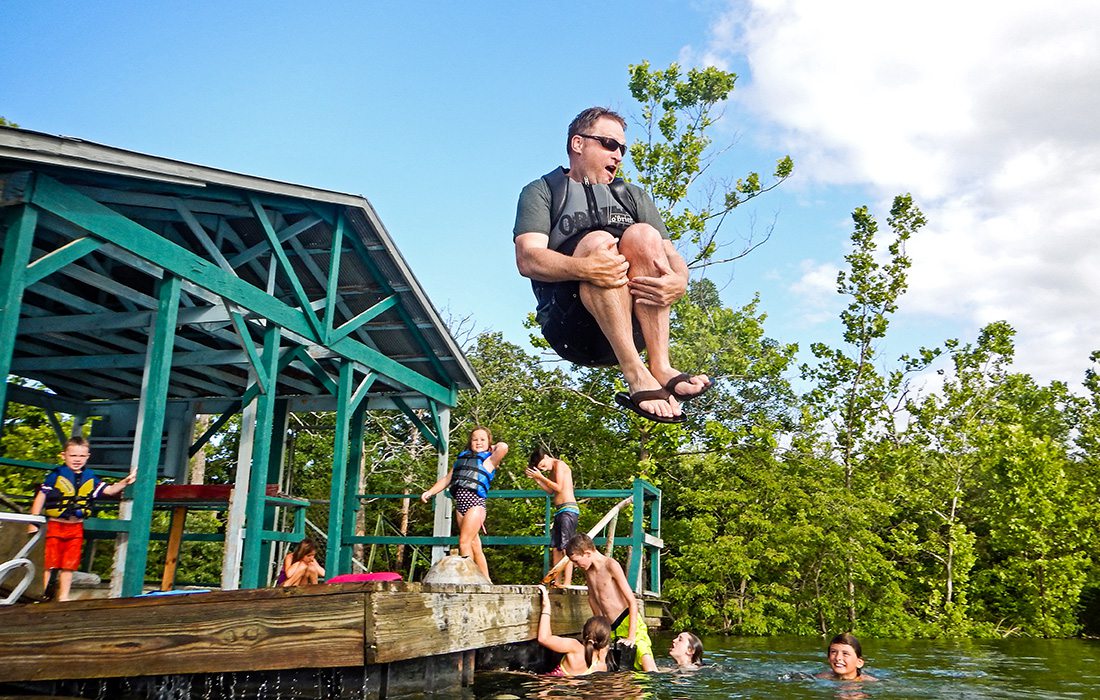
[66, 497]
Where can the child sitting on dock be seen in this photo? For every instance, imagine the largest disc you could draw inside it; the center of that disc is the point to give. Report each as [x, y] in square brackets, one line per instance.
[300, 567]
[845, 658]
[559, 482]
[66, 497]
[469, 481]
[580, 658]
[609, 595]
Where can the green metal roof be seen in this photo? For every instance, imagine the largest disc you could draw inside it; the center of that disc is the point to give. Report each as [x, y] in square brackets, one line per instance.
[249, 250]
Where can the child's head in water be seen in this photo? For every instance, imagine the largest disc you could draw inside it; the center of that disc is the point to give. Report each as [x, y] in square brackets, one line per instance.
[687, 650]
[481, 440]
[845, 657]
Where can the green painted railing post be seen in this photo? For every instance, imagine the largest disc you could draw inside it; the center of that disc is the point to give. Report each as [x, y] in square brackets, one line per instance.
[261, 458]
[339, 471]
[655, 530]
[274, 476]
[637, 537]
[150, 429]
[18, 238]
[351, 485]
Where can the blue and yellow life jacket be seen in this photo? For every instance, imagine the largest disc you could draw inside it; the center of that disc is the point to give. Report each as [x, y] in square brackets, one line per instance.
[71, 494]
[468, 473]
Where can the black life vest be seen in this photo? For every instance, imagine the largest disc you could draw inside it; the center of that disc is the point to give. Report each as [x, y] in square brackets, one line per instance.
[468, 473]
[558, 182]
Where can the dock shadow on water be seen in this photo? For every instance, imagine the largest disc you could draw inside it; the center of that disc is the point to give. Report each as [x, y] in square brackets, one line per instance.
[772, 668]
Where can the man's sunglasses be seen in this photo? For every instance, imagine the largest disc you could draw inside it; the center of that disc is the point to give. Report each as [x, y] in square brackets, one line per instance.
[609, 144]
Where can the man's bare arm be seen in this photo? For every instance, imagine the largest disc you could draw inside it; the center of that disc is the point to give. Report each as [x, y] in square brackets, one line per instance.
[604, 268]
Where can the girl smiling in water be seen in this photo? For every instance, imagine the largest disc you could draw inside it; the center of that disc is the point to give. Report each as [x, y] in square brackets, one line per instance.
[845, 659]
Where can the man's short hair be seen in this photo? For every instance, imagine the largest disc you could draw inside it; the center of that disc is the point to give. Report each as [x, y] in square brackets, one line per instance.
[76, 441]
[584, 122]
[579, 545]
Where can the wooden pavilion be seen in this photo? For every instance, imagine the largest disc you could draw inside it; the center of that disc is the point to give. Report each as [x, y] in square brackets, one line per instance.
[144, 291]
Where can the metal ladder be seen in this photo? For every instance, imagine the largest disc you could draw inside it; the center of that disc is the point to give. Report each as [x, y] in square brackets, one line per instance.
[20, 561]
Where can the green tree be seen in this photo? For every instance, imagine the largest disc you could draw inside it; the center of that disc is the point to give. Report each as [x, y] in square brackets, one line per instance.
[675, 150]
[855, 401]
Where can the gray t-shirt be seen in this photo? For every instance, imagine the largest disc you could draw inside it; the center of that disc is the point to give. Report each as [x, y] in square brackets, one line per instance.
[581, 214]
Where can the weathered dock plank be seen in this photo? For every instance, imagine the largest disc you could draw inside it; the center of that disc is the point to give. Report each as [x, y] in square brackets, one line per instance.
[335, 626]
[426, 620]
[218, 631]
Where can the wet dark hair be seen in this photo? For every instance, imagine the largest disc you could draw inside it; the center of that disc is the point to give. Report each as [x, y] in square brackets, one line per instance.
[584, 121]
[470, 440]
[537, 456]
[696, 645]
[304, 549]
[579, 544]
[849, 639]
[596, 634]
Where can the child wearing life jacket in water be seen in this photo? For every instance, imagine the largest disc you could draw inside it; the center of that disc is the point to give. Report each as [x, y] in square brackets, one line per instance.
[845, 659]
[468, 481]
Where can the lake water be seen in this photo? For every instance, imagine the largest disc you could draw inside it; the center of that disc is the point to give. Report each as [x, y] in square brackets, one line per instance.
[780, 668]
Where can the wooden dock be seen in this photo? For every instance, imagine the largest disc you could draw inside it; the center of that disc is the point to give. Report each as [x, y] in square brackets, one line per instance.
[398, 637]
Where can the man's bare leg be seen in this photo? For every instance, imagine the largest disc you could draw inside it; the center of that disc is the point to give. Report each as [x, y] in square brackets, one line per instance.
[642, 245]
[612, 309]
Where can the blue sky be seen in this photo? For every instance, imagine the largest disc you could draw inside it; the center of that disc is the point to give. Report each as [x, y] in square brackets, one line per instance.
[440, 112]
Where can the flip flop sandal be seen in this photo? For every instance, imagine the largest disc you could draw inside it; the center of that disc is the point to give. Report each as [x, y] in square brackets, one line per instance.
[631, 401]
[684, 377]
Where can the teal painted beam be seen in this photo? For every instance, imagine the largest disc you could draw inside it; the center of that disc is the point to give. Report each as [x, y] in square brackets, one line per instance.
[53, 261]
[284, 235]
[20, 224]
[333, 275]
[268, 551]
[354, 469]
[337, 493]
[150, 429]
[315, 369]
[360, 392]
[261, 457]
[288, 269]
[382, 282]
[246, 343]
[204, 358]
[363, 317]
[111, 320]
[90, 216]
[433, 439]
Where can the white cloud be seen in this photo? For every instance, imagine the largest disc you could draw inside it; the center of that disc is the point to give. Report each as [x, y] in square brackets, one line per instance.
[816, 286]
[985, 113]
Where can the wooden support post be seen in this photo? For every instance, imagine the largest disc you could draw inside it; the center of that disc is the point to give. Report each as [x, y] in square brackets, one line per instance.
[655, 558]
[132, 551]
[441, 527]
[175, 539]
[20, 225]
[269, 551]
[261, 457]
[336, 507]
[356, 429]
[637, 538]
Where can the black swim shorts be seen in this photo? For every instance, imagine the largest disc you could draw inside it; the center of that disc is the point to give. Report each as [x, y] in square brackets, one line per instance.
[568, 326]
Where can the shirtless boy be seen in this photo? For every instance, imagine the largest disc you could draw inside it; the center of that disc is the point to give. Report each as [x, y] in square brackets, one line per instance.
[610, 595]
[557, 480]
